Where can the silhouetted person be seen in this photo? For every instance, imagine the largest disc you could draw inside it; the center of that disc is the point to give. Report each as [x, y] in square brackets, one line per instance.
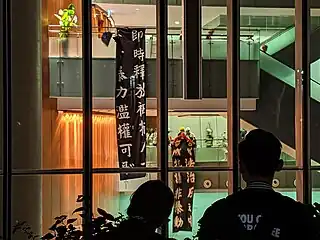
[150, 207]
[258, 212]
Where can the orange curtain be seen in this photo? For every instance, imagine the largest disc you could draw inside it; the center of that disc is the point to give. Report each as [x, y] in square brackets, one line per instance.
[66, 188]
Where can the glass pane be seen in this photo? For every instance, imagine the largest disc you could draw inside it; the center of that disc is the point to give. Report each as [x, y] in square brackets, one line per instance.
[1, 84]
[266, 78]
[1, 204]
[26, 91]
[39, 199]
[36, 122]
[208, 188]
[315, 87]
[108, 15]
[316, 186]
[112, 194]
[285, 182]
[209, 131]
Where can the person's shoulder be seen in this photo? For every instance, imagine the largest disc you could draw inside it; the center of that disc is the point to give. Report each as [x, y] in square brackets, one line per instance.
[225, 203]
[218, 206]
[294, 205]
[297, 209]
[217, 210]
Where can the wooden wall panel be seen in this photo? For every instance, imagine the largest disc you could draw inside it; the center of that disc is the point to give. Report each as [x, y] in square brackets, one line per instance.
[49, 113]
[53, 7]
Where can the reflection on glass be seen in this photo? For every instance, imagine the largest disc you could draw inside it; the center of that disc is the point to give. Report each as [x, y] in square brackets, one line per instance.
[39, 205]
[38, 199]
[209, 132]
[67, 142]
[285, 183]
[1, 204]
[114, 195]
[315, 186]
[209, 187]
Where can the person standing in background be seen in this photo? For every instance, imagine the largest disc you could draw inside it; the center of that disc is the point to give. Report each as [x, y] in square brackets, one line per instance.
[258, 212]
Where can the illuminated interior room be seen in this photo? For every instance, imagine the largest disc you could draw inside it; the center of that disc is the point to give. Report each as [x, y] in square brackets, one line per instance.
[49, 164]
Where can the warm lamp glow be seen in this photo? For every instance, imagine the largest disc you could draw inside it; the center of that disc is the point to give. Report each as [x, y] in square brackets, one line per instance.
[96, 118]
[69, 149]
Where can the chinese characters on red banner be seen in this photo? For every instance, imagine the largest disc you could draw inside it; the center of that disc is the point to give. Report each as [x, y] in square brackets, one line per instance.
[130, 99]
[183, 155]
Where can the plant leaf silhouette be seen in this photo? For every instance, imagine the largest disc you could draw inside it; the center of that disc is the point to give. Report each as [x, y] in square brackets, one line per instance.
[106, 215]
[79, 209]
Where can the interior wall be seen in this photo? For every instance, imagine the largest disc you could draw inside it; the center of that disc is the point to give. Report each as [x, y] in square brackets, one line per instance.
[198, 125]
[53, 7]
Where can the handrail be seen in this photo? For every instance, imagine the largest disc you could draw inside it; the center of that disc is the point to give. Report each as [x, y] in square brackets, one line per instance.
[278, 34]
[146, 27]
[312, 80]
[169, 34]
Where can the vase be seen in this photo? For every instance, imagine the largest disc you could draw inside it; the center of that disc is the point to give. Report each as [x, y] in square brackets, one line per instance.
[64, 47]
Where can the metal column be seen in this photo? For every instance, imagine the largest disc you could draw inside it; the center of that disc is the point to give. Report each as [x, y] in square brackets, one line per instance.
[162, 90]
[7, 115]
[233, 114]
[192, 55]
[87, 114]
[302, 99]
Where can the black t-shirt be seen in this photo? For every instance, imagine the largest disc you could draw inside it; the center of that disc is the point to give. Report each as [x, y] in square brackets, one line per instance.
[258, 214]
[134, 229]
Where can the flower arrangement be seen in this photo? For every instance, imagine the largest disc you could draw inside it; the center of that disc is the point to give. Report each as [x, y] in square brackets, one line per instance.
[67, 19]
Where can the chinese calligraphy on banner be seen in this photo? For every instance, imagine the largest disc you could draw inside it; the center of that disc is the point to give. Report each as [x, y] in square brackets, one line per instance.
[130, 99]
[183, 155]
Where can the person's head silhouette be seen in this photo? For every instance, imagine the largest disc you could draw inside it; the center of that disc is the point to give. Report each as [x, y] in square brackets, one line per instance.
[259, 156]
[152, 202]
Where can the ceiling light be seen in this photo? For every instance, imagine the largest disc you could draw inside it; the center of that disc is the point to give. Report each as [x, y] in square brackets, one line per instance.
[137, 9]
[177, 22]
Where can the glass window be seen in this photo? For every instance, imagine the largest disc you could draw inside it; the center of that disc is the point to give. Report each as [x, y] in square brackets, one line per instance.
[267, 42]
[315, 186]
[208, 188]
[285, 182]
[38, 199]
[314, 85]
[1, 114]
[47, 121]
[113, 195]
[1, 83]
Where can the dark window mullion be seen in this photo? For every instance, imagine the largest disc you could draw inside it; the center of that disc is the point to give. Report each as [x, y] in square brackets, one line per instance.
[233, 96]
[87, 114]
[7, 115]
[162, 91]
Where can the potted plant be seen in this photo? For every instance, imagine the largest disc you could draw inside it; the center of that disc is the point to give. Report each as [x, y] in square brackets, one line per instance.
[65, 227]
[67, 20]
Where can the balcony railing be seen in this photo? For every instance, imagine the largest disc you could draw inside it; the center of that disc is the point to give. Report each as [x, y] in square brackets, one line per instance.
[66, 66]
[213, 46]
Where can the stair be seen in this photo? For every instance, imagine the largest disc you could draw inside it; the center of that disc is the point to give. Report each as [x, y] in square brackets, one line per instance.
[275, 106]
[287, 54]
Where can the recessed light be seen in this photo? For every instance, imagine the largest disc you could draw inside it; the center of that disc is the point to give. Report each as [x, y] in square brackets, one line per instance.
[177, 22]
[137, 9]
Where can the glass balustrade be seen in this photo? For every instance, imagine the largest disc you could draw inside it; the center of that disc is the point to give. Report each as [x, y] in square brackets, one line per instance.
[286, 74]
[66, 65]
[214, 47]
[282, 39]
